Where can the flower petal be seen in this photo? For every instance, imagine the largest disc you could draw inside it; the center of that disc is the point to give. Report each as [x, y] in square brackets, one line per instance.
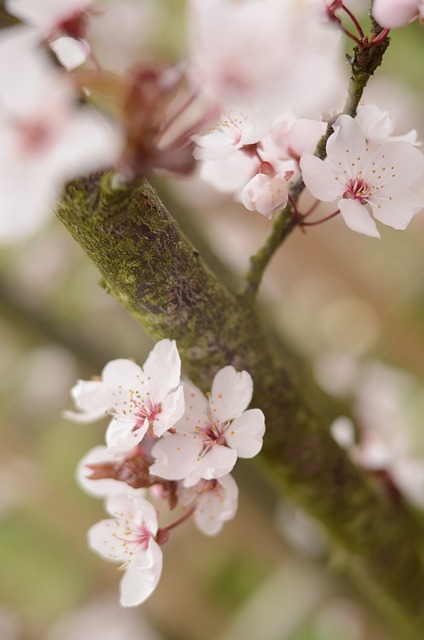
[122, 373]
[396, 209]
[231, 393]
[245, 433]
[196, 409]
[394, 165]
[121, 436]
[347, 149]
[93, 398]
[320, 178]
[217, 462]
[163, 369]
[138, 583]
[357, 218]
[172, 410]
[176, 455]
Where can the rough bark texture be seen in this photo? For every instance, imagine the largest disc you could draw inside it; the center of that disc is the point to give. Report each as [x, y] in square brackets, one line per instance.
[152, 269]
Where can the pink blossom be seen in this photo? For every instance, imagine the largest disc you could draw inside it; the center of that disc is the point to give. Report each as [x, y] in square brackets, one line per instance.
[213, 432]
[265, 193]
[215, 501]
[129, 538]
[51, 16]
[363, 179]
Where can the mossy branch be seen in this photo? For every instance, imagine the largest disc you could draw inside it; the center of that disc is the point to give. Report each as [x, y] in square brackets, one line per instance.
[152, 269]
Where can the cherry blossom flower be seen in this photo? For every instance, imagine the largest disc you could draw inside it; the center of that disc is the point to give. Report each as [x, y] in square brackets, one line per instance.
[215, 500]
[212, 432]
[396, 13]
[47, 138]
[361, 178]
[266, 192]
[129, 538]
[141, 400]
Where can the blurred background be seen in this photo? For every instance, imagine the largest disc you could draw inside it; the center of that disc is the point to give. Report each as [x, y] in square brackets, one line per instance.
[350, 312]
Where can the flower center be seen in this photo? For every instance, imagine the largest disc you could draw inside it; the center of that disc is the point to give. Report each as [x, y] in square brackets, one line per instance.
[212, 433]
[147, 409]
[357, 189]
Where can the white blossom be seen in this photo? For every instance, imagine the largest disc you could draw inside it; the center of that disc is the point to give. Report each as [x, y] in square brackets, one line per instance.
[213, 432]
[129, 538]
[361, 178]
[140, 399]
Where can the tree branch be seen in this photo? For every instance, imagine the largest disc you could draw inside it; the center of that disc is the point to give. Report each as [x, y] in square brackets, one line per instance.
[151, 268]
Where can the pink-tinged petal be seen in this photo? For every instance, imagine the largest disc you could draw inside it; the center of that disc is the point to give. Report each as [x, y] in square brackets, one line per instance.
[304, 134]
[245, 433]
[172, 410]
[163, 369]
[347, 150]
[357, 218]
[265, 194]
[93, 398]
[394, 165]
[135, 509]
[138, 583]
[231, 393]
[394, 13]
[45, 14]
[176, 455]
[230, 174]
[121, 436]
[122, 373]
[216, 506]
[396, 209]
[217, 462]
[319, 177]
[105, 538]
[196, 409]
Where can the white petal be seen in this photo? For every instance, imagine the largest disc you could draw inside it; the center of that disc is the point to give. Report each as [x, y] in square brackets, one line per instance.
[215, 463]
[320, 178]
[93, 398]
[357, 218]
[163, 369]
[196, 409]
[135, 509]
[231, 393]
[105, 537]
[245, 433]
[172, 410]
[396, 209]
[304, 135]
[121, 436]
[176, 455]
[347, 148]
[394, 165]
[394, 13]
[138, 583]
[122, 373]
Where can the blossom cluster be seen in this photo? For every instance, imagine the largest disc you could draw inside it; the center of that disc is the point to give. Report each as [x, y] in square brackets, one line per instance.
[168, 441]
[252, 117]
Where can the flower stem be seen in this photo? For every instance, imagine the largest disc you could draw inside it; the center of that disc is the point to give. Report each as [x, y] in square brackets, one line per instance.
[364, 63]
[185, 516]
